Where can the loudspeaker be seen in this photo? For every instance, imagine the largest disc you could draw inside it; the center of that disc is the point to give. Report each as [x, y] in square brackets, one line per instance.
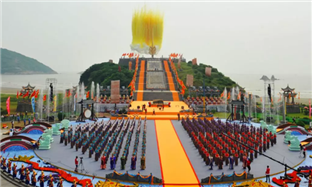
[51, 92]
[51, 118]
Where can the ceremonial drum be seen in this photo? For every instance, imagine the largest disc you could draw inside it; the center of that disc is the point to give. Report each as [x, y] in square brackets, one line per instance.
[87, 113]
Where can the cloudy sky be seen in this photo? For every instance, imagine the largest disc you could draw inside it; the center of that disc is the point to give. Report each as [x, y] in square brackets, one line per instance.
[241, 37]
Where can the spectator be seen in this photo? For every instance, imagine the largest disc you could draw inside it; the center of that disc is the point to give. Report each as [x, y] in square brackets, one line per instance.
[248, 165]
[18, 118]
[12, 122]
[267, 174]
[76, 163]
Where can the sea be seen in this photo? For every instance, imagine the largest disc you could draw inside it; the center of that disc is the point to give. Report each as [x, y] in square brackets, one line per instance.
[251, 82]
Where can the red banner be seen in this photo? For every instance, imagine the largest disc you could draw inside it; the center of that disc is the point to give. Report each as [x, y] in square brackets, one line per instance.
[17, 95]
[8, 105]
[26, 94]
[37, 93]
[33, 94]
[44, 97]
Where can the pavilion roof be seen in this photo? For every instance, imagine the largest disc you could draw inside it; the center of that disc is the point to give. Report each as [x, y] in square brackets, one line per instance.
[28, 87]
[288, 89]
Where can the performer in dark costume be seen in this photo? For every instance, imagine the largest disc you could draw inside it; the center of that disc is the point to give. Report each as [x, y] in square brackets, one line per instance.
[50, 182]
[103, 162]
[14, 170]
[231, 162]
[60, 183]
[33, 178]
[143, 162]
[221, 162]
[4, 164]
[211, 162]
[74, 183]
[112, 162]
[41, 178]
[9, 166]
[27, 177]
[133, 162]
[123, 162]
[22, 177]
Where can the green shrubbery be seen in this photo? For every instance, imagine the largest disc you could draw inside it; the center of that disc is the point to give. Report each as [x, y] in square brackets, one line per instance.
[61, 116]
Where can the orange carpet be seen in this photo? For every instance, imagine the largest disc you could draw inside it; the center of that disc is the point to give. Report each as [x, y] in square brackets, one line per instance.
[141, 81]
[176, 169]
[175, 94]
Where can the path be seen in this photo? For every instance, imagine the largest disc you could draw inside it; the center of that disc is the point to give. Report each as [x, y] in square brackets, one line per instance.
[175, 95]
[175, 165]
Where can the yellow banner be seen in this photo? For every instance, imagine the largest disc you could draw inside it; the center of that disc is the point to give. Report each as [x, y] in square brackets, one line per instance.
[54, 99]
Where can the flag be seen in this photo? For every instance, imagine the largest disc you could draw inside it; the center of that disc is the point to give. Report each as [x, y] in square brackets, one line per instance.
[88, 94]
[20, 94]
[33, 94]
[44, 97]
[299, 96]
[69, 93]
[17, 95]
[8, 105]
[239, 96]
[229, 96]
[37, 93]
[33, 104]
[26, 94]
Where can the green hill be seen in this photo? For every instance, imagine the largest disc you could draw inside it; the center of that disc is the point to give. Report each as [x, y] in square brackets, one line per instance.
[198, 71]
[104, 72]
[16, 63]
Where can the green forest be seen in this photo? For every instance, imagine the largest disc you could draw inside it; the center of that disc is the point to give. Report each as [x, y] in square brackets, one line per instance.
[104, 72]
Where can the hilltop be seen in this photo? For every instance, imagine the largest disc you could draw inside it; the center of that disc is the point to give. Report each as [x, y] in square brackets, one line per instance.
[16, 63]
[103, 73]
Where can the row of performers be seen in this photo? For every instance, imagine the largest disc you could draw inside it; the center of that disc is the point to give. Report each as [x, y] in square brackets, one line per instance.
[210, 147]
[25, 175]
[123, 160]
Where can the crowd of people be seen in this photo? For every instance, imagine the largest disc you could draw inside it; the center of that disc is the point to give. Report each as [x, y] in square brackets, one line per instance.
[105, 141]
[226, 144]
[24, 174]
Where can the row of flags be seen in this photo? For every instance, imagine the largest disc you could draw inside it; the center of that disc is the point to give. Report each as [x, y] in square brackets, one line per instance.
[175, 55]
[36, 93]
[132, 83]
[176, 73]
[33, 94]
[130, 55]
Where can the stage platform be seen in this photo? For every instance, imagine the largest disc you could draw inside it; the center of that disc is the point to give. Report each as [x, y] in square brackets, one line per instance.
[160, 117]
[175, 107]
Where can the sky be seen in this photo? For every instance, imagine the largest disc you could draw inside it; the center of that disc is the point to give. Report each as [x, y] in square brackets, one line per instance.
[235, 37]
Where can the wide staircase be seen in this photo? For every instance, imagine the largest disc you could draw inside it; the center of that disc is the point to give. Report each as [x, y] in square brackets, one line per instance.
[155, 81]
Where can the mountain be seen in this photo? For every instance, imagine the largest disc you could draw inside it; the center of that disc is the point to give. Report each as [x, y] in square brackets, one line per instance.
[16, 63]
